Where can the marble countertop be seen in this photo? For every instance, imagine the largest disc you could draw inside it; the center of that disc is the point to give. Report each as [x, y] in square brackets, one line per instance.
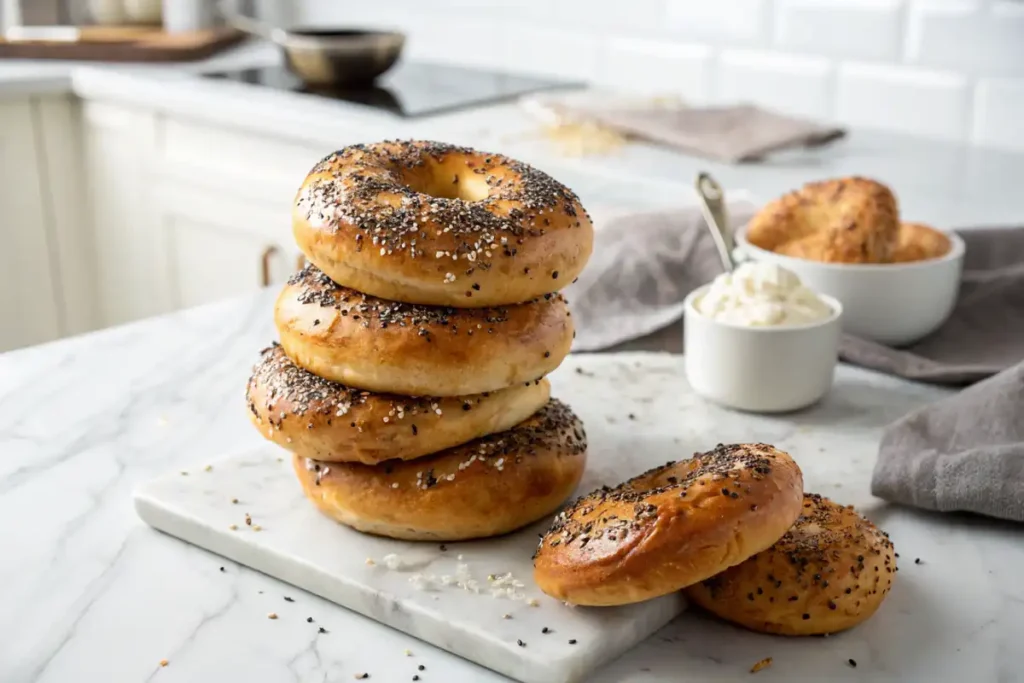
[92, 593]
[951, 185]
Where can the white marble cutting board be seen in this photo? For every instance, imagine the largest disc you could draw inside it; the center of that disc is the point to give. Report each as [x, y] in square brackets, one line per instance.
[298, 545]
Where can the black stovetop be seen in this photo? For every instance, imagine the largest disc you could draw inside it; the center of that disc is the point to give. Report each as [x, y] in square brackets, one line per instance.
[409, 89]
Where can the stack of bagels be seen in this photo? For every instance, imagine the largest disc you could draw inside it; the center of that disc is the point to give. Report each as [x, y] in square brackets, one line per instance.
[409, 379]
[731, 527]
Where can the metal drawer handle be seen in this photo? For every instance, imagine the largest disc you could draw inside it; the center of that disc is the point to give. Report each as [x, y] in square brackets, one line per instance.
[268, 254]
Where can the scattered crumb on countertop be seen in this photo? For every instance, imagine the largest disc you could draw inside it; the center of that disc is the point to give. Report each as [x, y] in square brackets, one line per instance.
[763, 664]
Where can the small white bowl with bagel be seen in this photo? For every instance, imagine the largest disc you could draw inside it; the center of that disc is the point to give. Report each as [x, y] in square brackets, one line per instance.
[897, 281]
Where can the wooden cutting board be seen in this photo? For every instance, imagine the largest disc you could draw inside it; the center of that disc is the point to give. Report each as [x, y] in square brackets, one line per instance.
[126, 44]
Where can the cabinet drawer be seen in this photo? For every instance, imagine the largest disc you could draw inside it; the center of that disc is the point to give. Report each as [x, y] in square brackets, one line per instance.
[242, 163]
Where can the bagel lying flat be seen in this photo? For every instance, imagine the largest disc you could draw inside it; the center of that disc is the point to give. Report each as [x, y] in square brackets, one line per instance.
[670, 527]
[384, 346]
[483, 488]
[830, 572]
[431, 223]
[849, 220]
[320, 419]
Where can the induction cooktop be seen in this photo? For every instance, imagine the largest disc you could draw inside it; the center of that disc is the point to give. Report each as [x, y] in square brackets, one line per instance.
[409, 89]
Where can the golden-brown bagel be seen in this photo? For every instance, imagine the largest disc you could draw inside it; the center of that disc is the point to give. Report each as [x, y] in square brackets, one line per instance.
[829, 572]
[430, 223]
[849, 220]
[920, 242]
[483, 488]
[384, 346]
[670, 527]
[320, 419]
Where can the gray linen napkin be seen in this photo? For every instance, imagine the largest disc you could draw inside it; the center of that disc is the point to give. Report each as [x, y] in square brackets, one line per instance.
[964, 453]
[734, 133]
[645, 264]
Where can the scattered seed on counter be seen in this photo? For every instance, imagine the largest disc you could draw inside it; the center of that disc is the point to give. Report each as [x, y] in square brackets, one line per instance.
[222, 569]
[208, 468]
[248, 519]
[506, 616]
[184, 473]
[370, 562]
[272, 615]
[234, 501]
[309, 620]
[918, 560]
[572, 641]
[287, 599]
[763, 664]
[520, 643]
[164, 662]
[533, 602]
[407, 653]
[321, 630]
[362, 675]
[257, 527]
[852, 662]
[545, 630]
[233, 527]
[421, 667]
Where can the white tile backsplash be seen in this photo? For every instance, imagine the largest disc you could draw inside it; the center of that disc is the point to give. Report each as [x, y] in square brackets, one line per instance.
[999, 113]
[967, 36]
[658, 67]
[793, 84]
[854, 29]
[735, 21]
[904, 99]
[948, 69]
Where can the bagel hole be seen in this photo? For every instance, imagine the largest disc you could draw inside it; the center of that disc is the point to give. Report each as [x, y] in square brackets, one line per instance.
[471, 187]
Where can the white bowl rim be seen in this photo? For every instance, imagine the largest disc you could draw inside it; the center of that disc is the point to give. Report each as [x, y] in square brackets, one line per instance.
[955, 253]
[833, 303]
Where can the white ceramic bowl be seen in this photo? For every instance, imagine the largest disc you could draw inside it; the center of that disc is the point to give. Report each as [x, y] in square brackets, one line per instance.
[890, 303]
[760, 369]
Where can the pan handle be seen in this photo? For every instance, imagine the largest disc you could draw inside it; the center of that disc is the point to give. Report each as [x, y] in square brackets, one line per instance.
[246, 24]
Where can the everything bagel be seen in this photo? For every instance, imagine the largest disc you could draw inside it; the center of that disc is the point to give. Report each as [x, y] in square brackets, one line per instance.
[830, 572]
[330, 422]
[390, 347]
[670, 527]
[431, 223]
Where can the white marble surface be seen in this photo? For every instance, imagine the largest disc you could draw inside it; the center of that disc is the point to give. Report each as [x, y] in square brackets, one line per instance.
[91, 593]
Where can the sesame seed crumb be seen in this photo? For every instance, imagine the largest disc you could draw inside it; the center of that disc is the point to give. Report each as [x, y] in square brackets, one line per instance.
[763, 664]
[164, 662]
[233, 527]
[272, 615]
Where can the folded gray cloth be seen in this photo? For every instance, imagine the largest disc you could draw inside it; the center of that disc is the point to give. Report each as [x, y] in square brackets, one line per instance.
[964, 453]
[645, 264]
[734, 133]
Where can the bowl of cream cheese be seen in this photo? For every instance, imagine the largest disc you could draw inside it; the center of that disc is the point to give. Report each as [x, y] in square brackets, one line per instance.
[758, 339]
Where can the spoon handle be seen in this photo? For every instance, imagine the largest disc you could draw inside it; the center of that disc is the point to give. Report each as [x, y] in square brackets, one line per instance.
[712, 205]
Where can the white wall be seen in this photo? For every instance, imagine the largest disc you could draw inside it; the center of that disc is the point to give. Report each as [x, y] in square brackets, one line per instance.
[951, 69]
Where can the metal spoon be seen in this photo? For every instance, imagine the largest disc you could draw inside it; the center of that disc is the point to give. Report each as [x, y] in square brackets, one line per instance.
[712, 205]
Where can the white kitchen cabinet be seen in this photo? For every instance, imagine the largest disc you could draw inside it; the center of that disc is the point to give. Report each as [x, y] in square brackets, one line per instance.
[186, 213]
[29, 305]
[217, 246]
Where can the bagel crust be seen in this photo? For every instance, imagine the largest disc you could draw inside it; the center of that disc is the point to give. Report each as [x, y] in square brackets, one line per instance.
[484, 488]
[362, 341]
[320, 419]
[830, 572]
[670, 527]
[920, 242]
[849, 220]
[431, 223]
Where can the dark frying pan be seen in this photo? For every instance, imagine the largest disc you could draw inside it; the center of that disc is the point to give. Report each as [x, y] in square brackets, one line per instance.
[326, 57]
